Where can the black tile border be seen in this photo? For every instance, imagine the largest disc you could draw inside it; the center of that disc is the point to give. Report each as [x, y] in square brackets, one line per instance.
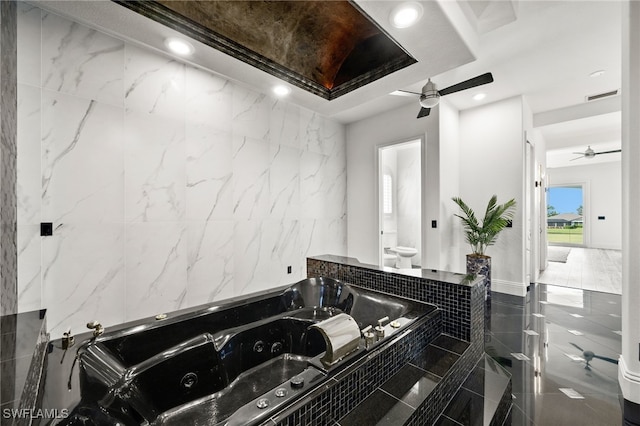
[460, 315]
[459, 309]
[344, 392]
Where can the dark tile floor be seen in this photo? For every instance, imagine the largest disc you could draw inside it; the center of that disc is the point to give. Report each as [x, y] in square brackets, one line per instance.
[543, 340]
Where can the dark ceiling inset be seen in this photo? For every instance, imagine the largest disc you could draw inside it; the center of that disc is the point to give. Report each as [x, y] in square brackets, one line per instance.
[328, 48]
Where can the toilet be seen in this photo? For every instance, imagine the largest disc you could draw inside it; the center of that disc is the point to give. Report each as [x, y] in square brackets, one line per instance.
[389, 259]
[404, 255]
[396, 256]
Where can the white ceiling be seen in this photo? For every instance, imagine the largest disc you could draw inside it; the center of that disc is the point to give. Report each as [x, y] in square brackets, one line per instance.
[544, 50]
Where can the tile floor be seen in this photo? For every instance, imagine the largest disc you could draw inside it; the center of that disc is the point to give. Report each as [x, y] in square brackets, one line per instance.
[587, 269]
[542, 341]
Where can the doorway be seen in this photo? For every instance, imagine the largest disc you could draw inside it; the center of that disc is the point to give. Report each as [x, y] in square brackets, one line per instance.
[400, 204]
[565, 215]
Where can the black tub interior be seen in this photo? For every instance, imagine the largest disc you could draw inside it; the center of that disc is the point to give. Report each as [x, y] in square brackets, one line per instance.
[221, 358]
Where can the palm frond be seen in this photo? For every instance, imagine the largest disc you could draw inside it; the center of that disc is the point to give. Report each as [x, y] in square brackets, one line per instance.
[496, 218]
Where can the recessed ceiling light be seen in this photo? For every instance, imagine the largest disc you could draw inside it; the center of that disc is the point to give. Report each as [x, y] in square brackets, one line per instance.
[596, 73]
[179, 46]
[406, 14]
[281, 90]
[479, 96]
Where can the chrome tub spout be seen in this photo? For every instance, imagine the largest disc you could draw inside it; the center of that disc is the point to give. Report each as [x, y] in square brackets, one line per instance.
[341, 335]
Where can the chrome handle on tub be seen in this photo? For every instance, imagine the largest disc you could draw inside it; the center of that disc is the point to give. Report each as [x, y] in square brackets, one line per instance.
[369, 337]
[380, 328]
[98, 329]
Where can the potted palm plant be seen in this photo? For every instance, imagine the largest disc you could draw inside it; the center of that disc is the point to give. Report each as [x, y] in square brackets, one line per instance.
[482, 234]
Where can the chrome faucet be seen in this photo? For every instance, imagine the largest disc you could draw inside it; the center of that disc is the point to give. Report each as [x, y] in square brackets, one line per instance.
[98, 329]
[341, 335]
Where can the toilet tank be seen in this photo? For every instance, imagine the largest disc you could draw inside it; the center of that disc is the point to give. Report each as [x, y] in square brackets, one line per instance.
[389, 238]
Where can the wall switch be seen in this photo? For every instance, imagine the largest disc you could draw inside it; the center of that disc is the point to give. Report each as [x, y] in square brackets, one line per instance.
[600, 217]
[509, 224]
[46, 229]
[288, 269]
[434, 223]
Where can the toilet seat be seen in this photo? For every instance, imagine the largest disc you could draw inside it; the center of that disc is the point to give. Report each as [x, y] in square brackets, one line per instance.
[405, 251]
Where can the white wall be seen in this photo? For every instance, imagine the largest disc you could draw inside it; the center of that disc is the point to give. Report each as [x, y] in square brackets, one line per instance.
[168, 186]
[448, 230]
[492, 162]
[603, 197]
[409, 197]
[363, 138]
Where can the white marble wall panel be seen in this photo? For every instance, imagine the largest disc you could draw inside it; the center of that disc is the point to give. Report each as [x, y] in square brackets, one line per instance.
[250, 113]
[332, 142]
[334, 186]
[250, 178]
[156, 268]
[335, 236]
[155, 168]
[312, 238]
[209, 163]
[29, 176]
[284, 128]
[153, 83]
[81, 61]
[184, 190]
[253, 244]
[285, 252]
[29, 44]
[82, 153]
[83, 276]
[312, 179]
[210, 261]
[284, 182]
[208, 100]
[82, 173]
[311, 131]
[29, 261]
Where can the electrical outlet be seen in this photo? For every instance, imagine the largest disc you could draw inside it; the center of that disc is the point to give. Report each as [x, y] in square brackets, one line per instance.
[46, 229]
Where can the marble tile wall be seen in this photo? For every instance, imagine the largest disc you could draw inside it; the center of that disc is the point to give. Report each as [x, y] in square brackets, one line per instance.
[168, 186]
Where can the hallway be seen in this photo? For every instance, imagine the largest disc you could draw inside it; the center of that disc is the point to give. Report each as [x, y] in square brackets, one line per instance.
[586, 269]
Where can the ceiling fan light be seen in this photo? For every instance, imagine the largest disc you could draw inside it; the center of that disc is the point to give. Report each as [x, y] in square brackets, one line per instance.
[430, 96]
[429, 101]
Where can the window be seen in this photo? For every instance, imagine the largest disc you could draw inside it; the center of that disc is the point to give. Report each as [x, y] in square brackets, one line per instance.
[387, 193]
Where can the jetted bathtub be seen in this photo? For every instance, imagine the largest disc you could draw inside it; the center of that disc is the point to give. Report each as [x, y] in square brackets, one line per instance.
[237, 362]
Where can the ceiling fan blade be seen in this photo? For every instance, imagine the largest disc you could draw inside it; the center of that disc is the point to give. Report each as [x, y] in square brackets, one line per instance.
[606, 358]
[578, 347]
[608, 152]
[423, 112]
[404, 93]
[577, 158]
[473, 82]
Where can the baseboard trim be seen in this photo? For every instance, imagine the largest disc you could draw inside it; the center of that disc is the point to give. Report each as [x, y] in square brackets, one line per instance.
[629, 382]
[508, 287]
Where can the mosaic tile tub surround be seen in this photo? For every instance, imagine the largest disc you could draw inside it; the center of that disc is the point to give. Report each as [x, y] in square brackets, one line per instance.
[455, 294]
[461, 315]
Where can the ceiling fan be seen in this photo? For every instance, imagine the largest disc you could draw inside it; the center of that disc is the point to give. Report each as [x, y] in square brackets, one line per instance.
[590, 153]
[430, 95]
[589, 356]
